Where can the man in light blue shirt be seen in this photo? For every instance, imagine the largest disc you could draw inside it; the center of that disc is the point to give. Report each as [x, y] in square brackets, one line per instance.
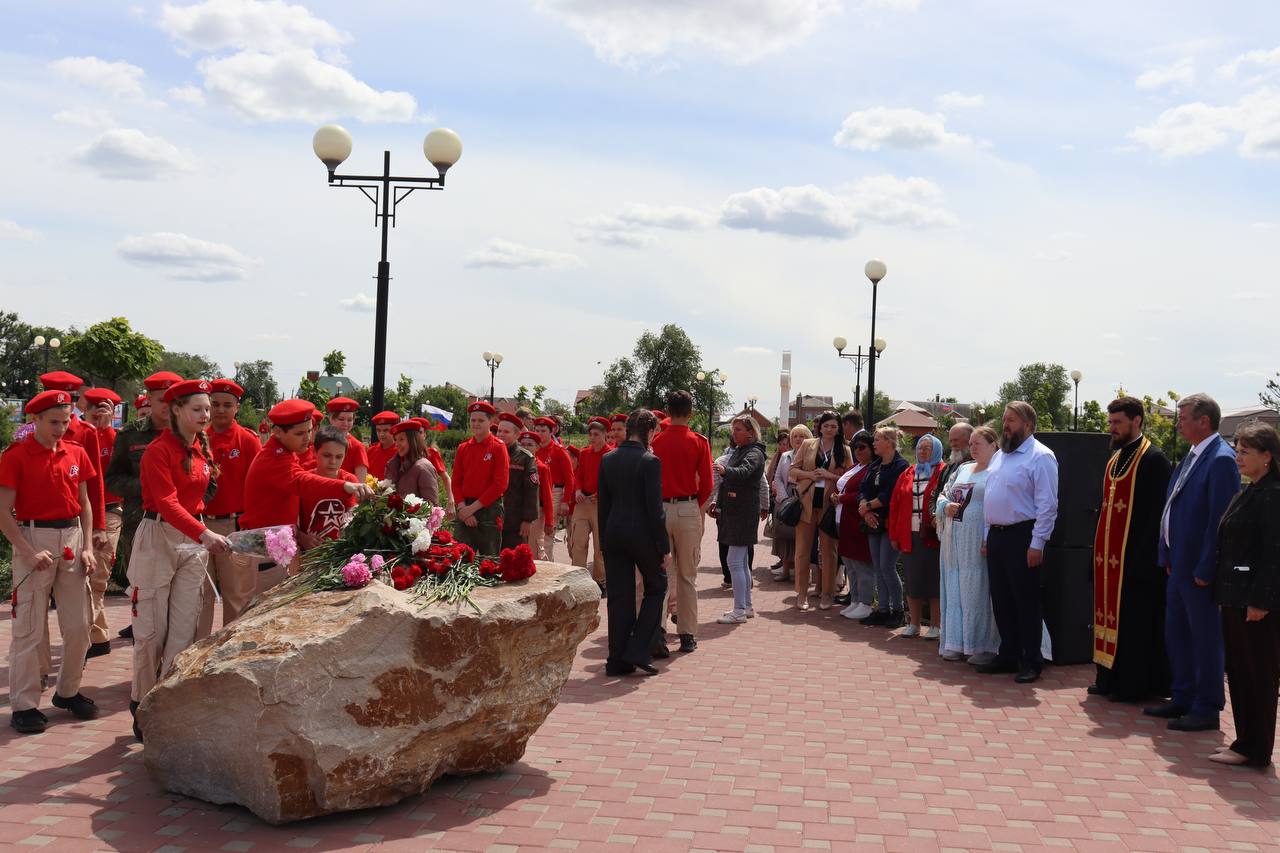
[1020, 510]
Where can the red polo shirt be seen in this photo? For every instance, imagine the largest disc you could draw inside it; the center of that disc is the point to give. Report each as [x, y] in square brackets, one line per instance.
[544, 494]
[357, 454]
[686, 463]
[481, 470]
[379, 456]
[86, 435]
[47, 481]
[556, 458]
[233, 450]
[588, 477]
[168, 488]
[321, 513]
[107, 446]
[274, 484]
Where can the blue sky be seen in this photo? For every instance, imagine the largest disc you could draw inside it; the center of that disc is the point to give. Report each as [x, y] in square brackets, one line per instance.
[1089, 183]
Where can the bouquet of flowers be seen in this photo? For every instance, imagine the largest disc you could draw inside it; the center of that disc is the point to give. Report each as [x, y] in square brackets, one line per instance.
[271, 543]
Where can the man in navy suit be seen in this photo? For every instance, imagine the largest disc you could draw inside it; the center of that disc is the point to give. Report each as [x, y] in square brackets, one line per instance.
[1199, 490]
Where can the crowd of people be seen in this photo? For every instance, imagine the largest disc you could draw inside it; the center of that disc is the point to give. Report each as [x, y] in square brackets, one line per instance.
[946, 547]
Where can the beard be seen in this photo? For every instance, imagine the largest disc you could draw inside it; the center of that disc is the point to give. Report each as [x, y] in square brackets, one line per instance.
[1123, 440]
[1011, 441]
[958, 456]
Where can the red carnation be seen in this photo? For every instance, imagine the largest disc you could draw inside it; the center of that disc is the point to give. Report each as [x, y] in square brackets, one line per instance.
[68, 554]
[488, 567]
[415, 571]
[388, 529]
[401, 583]
[442, 537]
[395, 501]
[398, 573]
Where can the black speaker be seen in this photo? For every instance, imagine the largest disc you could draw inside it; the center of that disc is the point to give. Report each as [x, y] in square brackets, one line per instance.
[1082, 461]
[1067, 577]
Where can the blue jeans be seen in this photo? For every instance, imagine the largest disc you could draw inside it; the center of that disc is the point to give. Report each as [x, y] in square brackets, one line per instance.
[862, 580]
[741, 574]
[885, 559]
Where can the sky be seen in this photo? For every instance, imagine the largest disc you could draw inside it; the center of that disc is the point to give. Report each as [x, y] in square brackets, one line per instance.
[1088, 183]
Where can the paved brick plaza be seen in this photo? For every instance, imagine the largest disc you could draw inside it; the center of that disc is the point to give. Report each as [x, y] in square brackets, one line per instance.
[787, 732]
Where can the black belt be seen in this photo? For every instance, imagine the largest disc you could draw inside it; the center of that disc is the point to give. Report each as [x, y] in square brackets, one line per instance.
[228, 517]
[1016, 525]
[116, 507]
[680, 500]
[155, 516]
[61, 524]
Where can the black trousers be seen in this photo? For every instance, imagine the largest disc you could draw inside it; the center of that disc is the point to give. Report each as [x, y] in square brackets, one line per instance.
[1015, 595]
[1253, 677]
[724, 560]
[632, 635]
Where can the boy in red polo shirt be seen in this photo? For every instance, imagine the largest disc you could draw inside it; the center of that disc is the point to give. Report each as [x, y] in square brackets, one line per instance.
[342, 415]
[481, 470]
[379, 453]
[100, 413]
[47, 516]
[552, 454]
[585, 525]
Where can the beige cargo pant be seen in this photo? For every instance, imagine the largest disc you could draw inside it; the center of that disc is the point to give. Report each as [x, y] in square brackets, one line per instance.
[545, 548]
[67, 581]
[99, 631]
[236, 576]
[167, 573]
[584, 529]
[684, 529]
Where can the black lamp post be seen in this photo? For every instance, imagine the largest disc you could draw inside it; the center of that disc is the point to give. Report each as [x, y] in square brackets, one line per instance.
[858, 358]
[492, 360]
[713, 378]
[875, 270]
[332, 145]
[1076, 376]
[50, 344]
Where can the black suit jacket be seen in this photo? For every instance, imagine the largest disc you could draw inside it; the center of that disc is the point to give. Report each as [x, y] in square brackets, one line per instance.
[630, 501]
[1249, 538]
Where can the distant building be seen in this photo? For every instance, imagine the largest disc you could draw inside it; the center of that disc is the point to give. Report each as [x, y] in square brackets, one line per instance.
[804, 409]
[940, 408]
[911, 419]
[580, 399]
[759, 417]
[1232, 421]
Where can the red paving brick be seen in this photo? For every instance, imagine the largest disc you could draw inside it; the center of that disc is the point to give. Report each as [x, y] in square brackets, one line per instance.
[789, 732]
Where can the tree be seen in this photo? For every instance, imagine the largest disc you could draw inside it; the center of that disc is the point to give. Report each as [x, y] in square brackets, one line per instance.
[20, 359]
[255, 377]
[310, 390]
[1270, 396]
[335, 363]
[111, 352]
[445, 397]
[614, 393]
[400, 398]
[249, 415]
[1045, 387]
[535, 403]
[709, 396]
[664, 362]
[554, 408]
[522, 394]
[1093, 418]
[188, 366]
[884, 405]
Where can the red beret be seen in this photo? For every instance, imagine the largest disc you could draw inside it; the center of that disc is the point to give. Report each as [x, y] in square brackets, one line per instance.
[549, 423]
[603, 423]
[482, 406]
[405, 426]
[529, 434]
[186, 388]
[226, 386]
[60, 380]
[385, 418]
[140, 401]
[160, 381]
[46, 400]
[102, 395]
[659, 414]
[618, 419]
[511, 419]
[317, 416]
[263, 426]
[339, 405]
[290, 412]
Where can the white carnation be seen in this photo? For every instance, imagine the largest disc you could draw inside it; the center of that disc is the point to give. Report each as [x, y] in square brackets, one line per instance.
[416, 526]
[412, 501]
[422, 542]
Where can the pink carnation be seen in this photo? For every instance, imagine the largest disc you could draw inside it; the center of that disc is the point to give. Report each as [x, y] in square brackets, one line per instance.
[436, 518]
[377, 563]
[281, 546]
[355, 574]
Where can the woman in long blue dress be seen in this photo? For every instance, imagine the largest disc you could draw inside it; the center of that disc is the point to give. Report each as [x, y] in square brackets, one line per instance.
[968, 624]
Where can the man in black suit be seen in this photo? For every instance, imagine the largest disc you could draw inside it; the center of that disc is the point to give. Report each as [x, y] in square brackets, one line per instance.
[633, 531]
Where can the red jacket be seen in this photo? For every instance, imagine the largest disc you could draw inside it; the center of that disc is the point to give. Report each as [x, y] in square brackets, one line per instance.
[853, 539]
[900, 511]
[481, 470]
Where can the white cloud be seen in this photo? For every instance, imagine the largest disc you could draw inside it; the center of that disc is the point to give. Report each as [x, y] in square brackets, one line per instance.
[185, 258]
[361, 302]
[119, 79]
[1199, 127]
[503, 254]
[753, 350]
[811, 211]
[10, 230]
[626, 33]
[1180, 73]
[915, 202]
[187, 94]
[261, 25]
[627, 227]
[959, 101]
[1264, 226]
[870, 130]
[298, 86]
[85, 118]
[129, 154]
[1267, 62]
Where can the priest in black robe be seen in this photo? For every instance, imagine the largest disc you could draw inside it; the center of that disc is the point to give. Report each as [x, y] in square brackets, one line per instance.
[1129, 585]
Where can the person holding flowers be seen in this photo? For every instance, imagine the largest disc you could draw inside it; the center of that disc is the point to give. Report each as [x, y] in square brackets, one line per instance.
[480, 475]
[410, 471]
[166, 572]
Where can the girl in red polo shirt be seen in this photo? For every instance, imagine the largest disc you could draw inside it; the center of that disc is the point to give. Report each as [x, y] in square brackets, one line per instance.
[167, 568]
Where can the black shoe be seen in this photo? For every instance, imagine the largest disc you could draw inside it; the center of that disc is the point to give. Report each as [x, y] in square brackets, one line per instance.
[29, 722]
[879, 617]
[613, 670]
[1166, 710]
[843, 600]
[133, 712]
[1027, 675]
[97, 650]
[1124, 697]
[688, 643]
[126, 632]
[647, 669]
[1095, 690]
[660, 652]
[79, 705]
[997, 667]
[1195, 723]
[896, 619]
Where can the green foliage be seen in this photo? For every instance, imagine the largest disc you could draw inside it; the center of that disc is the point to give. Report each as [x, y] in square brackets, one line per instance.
[445, 397]
[535, 403]
[309, 389]
[1270, 396]
[256, 380]
[111, 352]
[614, 392]
[400, 398]
[554, 407]
[666, 361]
[710, 400]
[249, 415]
[884, 406]
[335, 363]
[1093, 418]
[7, 425]
[20, 358]
[188, 366]
[1045, 387]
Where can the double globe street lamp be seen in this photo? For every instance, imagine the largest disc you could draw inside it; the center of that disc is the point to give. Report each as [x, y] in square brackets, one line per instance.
[332, 144]
[877, 347]
[875, 270]
[713, 379]
[492, 360]
[50, 344]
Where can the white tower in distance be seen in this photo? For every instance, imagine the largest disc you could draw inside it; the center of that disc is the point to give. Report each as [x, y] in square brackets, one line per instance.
[783, 420]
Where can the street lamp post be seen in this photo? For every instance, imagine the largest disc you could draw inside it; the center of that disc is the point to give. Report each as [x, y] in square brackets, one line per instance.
[492, 360]
[875, 270]
[878, 347]
[1076, 376]
[714, 378]
[332, 144]
[50, 344]
[750, 405]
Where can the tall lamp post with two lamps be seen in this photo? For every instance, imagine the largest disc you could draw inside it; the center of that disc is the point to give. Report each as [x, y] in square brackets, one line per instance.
[713, 379]
[332, 144]
[50, 344]
[875, 270]
[878, 347]
[492, 360]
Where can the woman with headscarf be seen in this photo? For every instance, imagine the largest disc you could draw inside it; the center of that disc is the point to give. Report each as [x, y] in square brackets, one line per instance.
[914, 531]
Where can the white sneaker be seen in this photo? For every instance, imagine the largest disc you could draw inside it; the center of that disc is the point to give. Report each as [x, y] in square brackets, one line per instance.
[857, 610]
[732, 618]
[911, 630]
[751, 613]
[982, 658]
[952, 654]
[933, 633]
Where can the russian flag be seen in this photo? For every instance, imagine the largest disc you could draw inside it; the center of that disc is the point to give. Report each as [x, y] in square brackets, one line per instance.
[438, 415]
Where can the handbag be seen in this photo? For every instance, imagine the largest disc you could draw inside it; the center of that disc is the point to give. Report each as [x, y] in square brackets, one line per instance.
[828, 523]
[791, 509]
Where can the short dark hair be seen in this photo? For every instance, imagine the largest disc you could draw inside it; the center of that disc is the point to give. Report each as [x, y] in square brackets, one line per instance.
[853, 416]
[326, 434]
[1202, 406]
[641, 423]
[1130, 406]
[1262, 438]
[679, 404]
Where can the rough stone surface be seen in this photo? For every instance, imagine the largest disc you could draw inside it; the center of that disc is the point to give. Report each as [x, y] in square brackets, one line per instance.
[346, 700]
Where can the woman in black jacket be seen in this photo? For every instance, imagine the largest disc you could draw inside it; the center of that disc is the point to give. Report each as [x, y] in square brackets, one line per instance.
[1247, 586]
[740, 514]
